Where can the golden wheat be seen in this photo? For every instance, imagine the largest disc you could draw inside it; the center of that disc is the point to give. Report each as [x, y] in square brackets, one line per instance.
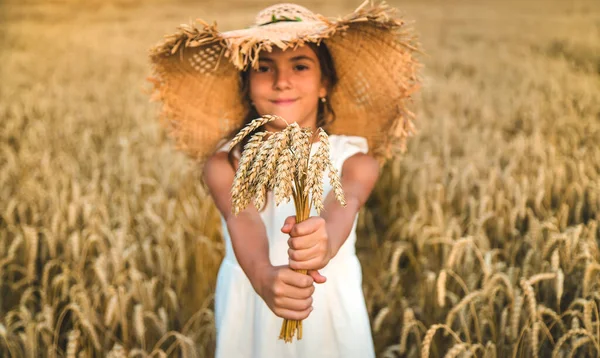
[96, 202]
[570, 334]
[240, 190]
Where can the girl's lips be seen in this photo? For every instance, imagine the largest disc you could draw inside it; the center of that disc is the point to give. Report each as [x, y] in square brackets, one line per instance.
[283, 102]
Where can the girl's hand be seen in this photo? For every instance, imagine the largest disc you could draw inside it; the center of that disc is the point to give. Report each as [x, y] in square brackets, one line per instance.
[310, 248]
[287, 293]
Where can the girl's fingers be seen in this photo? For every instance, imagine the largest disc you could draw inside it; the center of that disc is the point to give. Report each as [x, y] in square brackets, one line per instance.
[312, 264]
[296, 279]
[308, 226]
[293, 292]
[293, 315]
[293, 304]
[301, 242]
[304, 254]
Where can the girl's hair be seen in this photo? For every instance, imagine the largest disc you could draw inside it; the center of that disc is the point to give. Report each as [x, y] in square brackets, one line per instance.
[325, 113]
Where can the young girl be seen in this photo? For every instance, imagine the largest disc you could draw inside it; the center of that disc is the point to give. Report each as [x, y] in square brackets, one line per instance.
[350, 77]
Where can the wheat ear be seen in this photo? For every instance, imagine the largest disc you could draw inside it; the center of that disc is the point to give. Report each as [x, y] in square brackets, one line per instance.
[282, 188]
[336, 184]
[252, 126]
[456, 349]
[571, 333]
[267, 172]
[441, 288]
[531, 305]
[305, 145]
[426, 345]
[407, 322]
[316, 168]
[240, 191]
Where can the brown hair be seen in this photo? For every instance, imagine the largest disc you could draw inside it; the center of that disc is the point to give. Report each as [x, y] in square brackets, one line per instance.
[325, 112]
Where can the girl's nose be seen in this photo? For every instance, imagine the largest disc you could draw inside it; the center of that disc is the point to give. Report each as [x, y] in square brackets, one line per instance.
[282, 80]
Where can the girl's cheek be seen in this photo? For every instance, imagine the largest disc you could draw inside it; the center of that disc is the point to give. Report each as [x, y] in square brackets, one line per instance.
[263, 86]
[256, 91]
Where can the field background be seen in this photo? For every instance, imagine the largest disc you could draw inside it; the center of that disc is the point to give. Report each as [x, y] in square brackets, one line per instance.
[483, 239]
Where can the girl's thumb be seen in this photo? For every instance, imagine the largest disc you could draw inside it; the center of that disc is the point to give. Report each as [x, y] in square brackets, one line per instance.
[317, 276]
[288, 224]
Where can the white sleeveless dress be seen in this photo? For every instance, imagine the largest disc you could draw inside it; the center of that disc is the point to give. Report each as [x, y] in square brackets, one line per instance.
[339, 324]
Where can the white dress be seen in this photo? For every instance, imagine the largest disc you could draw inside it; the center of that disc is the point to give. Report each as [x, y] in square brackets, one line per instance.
[339, 324]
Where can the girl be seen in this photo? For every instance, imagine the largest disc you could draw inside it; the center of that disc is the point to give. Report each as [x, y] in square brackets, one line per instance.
[282, 66]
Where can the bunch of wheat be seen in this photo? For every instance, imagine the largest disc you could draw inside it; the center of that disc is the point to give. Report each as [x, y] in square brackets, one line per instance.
[281, 162]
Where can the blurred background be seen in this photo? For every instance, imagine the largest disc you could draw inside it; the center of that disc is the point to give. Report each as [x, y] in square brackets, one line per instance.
[486, 230]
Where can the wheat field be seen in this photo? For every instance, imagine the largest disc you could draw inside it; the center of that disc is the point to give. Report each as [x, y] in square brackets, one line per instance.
[481, 241]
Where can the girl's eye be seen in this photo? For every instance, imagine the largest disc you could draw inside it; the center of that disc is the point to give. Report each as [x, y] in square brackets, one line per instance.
[301, 67]
[262, 69]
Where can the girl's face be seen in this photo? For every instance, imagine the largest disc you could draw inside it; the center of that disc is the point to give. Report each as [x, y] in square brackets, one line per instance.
[288, 84]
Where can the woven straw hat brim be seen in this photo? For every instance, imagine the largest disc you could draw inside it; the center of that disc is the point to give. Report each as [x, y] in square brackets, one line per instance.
[197, 77]
[280, 31]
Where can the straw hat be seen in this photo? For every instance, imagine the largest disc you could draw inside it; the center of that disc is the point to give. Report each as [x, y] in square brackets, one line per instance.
[197, 74]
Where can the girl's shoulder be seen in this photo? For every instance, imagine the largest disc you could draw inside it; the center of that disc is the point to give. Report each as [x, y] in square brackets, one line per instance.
[345, 146]
[348, 142]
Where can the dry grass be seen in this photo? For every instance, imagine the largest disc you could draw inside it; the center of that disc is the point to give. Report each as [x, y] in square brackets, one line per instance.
[108, 243]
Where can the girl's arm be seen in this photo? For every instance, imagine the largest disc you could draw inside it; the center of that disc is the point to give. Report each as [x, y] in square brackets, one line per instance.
[317, 240]
[359, 175]
[252, 252]
[287, 293]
